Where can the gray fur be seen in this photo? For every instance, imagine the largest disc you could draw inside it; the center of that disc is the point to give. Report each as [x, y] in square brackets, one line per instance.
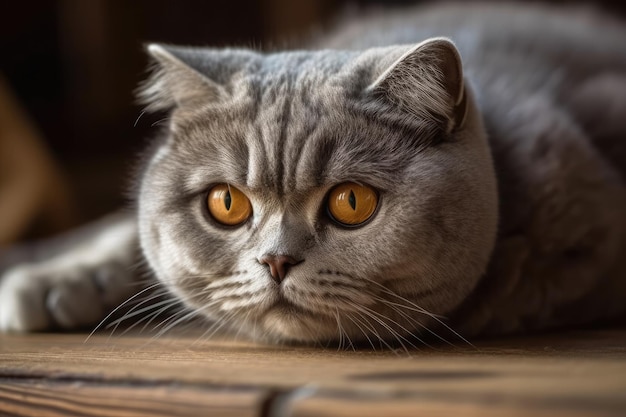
[293, 126]
[502, 194]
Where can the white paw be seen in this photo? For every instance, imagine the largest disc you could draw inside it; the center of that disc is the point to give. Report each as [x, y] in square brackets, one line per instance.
[56, 294]
[21, 302]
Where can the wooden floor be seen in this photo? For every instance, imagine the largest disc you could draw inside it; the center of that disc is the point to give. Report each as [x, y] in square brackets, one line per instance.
[568, 374]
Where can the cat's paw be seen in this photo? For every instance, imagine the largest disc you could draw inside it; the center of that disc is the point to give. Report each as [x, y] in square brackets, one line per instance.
[35, 297]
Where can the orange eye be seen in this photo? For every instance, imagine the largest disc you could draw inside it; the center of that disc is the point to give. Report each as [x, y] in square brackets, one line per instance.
[228, 205]
[352, 204]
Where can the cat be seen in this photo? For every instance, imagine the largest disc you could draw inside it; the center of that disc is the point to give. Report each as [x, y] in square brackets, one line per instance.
[454, 166]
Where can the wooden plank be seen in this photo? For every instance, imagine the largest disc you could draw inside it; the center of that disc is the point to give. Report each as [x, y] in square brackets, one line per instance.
[578, 373]
[323, 406]
[63, 398]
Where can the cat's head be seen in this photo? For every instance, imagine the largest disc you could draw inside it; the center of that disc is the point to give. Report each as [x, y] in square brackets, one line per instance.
[311, 195]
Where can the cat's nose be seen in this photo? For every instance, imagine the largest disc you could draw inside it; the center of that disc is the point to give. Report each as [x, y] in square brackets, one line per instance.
[278, 264]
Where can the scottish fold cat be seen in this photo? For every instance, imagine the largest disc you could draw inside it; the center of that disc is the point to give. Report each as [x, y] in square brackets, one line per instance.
[455, 166]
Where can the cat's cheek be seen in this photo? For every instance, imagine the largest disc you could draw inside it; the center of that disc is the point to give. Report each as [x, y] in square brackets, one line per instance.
[173, 257]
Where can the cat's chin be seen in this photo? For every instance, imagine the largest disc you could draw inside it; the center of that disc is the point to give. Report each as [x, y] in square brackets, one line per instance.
[284, 323]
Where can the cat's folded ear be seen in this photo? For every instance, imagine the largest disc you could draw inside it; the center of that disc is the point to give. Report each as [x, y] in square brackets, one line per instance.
[426, 81]
[189, 77]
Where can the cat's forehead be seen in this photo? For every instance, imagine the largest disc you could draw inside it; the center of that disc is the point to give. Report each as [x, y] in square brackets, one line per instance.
[315, 76]
[287, 143]
[291, 127]
[307, 66]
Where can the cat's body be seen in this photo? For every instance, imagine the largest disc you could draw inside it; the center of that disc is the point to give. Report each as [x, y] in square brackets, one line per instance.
[538, 242]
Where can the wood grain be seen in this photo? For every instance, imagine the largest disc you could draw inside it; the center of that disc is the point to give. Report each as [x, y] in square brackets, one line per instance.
[62, 398]
[577, 374]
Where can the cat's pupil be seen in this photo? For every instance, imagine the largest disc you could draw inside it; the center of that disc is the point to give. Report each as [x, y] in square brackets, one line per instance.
[227, 200]
[352, 200]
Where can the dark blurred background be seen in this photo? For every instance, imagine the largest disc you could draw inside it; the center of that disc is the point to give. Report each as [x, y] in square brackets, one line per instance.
[73, 65]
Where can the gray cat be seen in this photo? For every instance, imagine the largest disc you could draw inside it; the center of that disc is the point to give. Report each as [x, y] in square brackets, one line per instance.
[361, 193]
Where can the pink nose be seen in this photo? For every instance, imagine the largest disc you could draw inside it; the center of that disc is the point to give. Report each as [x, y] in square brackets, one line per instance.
[278, 264]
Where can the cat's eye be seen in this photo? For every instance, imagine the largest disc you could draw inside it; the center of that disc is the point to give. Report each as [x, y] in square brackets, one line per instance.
[228, 205]
[351, 204]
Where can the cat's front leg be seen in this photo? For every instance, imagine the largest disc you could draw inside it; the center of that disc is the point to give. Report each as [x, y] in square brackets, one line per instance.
[76, 287]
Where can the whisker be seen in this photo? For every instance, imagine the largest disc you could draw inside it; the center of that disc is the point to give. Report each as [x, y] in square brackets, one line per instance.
[152, 316]
[339, 330]
[376, 316]
[187, 316]
[372, 329]
[159, 121]
[419, 309]
[138, 117]
[342, 331]
[127, 316]
[218, 325]
[117, 308]
[396, 307]
[349, 316]
[245, 320]
[131, 313]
